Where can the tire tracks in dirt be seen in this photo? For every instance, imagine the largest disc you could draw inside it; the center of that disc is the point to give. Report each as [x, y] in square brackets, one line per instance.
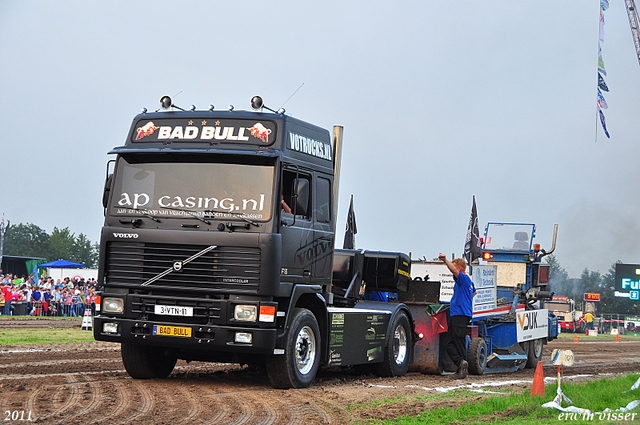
[78, 387]
[141, 409]
[66, 398]
[306, 408]
[121, 395]
[93, 396]
[193, 403]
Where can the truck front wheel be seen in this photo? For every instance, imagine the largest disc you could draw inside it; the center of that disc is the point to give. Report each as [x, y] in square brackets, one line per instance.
[143, 362]
[297, 367]
[397, 353]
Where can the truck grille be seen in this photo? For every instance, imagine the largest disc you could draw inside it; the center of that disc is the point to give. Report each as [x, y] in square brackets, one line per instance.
[222, 270]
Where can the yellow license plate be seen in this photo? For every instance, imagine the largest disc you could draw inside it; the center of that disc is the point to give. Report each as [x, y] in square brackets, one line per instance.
[171, 331]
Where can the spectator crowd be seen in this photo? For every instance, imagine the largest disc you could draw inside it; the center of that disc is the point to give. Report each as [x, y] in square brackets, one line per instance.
[46, 297]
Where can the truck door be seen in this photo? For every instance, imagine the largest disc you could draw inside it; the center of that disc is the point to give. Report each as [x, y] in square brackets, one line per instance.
[297, 226]
[323, 231]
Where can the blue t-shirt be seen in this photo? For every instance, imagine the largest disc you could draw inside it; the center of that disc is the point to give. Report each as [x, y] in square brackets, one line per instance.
[462, 300]
[377, 296]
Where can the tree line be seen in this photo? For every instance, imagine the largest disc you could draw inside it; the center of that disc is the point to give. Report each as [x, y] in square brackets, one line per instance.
[29, 240]
[590, 281]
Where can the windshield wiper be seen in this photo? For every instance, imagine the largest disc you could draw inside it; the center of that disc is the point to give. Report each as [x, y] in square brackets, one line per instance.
[240, 215]
[144, 213]
[193, 213]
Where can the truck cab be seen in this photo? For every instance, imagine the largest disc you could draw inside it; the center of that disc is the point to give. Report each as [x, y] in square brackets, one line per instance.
[217, 244]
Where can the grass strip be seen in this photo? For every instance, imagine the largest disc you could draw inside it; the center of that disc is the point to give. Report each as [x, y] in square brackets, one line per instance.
[31, 336]
[567, 337]
[523, 409]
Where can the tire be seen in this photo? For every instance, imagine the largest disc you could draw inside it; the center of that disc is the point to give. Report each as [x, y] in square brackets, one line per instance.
[534, 355]
[297, 367]
[477, 356]
[397, 353]
[143, 362]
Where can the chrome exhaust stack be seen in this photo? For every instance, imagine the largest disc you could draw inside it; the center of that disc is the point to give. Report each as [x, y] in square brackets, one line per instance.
[337, 159]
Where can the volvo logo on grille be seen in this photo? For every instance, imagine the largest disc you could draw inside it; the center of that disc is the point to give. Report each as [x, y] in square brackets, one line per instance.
[177, 266]
[126, 235]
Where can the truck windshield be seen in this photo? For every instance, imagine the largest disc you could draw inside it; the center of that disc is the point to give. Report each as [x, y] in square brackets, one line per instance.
[184, 189]
[508, 236]
[556, 306]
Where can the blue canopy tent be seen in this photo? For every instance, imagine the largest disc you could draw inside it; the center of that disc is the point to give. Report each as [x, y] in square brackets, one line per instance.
[61, 264]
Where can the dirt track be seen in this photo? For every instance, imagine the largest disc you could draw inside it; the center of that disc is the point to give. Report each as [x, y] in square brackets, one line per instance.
[86, 383]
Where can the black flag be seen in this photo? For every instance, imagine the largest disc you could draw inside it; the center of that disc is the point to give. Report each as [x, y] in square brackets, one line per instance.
[601, 83]
[472, 249]
[350, 232]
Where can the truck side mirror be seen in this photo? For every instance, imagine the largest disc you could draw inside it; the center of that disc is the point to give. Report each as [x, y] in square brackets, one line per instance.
[301, 195]
[107, 190]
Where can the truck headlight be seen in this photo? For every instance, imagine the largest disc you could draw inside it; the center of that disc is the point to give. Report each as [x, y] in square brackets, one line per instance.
[112, 305]
[245, 313]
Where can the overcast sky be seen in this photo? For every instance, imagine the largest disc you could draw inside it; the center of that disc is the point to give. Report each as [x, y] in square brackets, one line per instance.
[439, 101]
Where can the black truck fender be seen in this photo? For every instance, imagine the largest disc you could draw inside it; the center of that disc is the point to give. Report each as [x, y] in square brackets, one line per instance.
[309, 297]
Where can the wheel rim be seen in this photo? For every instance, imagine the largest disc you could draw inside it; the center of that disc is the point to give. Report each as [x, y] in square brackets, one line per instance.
[482, 356]
[399, 345]
[537, 348]
[305, 350]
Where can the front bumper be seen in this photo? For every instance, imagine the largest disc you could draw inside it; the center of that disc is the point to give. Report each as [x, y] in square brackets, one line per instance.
[211, 338]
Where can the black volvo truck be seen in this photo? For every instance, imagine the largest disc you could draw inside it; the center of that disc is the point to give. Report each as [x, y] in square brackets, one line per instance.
[218, 245]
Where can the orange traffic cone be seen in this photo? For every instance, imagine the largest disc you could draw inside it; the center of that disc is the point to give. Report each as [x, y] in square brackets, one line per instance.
[537, 389]
[575, 338]
[617, 338]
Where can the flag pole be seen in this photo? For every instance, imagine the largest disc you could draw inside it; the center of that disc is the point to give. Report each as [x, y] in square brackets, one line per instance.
[2, 242]
[597, 117]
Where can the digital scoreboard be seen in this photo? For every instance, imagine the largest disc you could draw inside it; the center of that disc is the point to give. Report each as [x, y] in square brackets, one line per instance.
[627, 281]
[591, 297]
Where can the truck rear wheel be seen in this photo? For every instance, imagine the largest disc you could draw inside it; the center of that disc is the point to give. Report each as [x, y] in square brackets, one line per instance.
[297, 367]
[534, 355]
[397, 353]
[143, 362]
[477, 356]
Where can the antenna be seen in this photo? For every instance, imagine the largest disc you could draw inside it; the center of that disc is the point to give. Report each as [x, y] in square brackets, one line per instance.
[292, 95]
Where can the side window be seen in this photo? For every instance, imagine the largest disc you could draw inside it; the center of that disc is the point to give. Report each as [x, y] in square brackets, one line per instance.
[323, 198]
[296, 193]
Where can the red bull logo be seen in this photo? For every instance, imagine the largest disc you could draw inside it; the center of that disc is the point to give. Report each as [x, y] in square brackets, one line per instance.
[260, 131]
[146, 130]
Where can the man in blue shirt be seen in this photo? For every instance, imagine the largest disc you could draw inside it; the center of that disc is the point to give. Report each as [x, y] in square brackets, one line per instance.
[461, 309]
